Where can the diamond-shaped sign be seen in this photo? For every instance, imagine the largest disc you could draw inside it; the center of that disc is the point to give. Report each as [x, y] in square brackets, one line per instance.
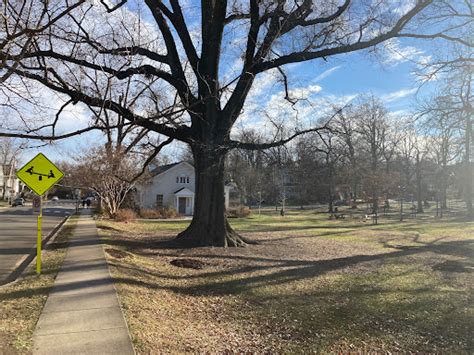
[39, 174]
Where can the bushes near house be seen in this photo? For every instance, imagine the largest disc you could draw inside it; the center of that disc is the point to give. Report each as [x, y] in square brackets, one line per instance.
[158, 213]
[125, 215]
[149, 213]
[238, 212]
[168, 212]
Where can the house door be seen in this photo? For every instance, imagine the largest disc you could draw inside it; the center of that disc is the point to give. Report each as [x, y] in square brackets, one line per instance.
[182, 205]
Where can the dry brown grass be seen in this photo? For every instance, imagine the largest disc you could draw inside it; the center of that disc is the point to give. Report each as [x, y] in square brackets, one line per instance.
[21, 302]
[312, 285]
[125, 215]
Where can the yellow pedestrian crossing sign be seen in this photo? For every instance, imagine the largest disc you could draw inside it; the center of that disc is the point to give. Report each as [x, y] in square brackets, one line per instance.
[39, 174]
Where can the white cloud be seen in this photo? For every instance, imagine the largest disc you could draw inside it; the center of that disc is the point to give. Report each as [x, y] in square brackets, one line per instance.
[326, 73]
[396, 54]
[397, 95]
[398, 114]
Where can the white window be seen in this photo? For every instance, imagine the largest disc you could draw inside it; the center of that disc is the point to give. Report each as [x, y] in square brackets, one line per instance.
[182, 179]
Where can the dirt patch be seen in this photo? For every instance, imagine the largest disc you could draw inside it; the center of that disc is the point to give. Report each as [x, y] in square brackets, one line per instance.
[188, 263]
[118, 254]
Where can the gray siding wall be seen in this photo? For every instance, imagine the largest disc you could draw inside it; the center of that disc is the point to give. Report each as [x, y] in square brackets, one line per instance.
[165, 184]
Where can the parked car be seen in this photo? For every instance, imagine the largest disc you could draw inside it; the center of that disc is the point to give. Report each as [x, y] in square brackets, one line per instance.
[55, 198]
[18, 202]
[340, 202]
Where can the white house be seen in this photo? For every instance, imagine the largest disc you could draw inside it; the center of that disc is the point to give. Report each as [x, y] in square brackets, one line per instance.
[171, 186]
[10, 185]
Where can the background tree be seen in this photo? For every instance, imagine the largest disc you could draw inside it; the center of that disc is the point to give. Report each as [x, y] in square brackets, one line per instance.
[451, 66]
[373, 128]
[246, 168]
[345, 125]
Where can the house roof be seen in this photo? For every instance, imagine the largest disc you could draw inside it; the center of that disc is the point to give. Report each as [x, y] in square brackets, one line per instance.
[161, 169]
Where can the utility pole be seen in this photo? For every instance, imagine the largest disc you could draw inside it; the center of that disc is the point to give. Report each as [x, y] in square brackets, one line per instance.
[401, 188]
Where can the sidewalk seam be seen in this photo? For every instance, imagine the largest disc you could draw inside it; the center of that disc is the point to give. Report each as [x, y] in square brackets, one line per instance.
[79, 332]
[80, 310]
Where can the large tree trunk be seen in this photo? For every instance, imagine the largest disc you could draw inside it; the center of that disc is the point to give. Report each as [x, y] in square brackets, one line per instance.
[209, 226]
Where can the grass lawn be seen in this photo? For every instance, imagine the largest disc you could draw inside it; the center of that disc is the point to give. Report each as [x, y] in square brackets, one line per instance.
[21, 302]
[311, 285]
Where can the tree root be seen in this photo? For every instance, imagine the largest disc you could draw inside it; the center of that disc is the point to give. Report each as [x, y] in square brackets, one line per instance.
[195, 236]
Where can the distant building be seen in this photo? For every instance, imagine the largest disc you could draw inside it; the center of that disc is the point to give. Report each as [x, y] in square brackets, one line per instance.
[171, 186]
[10, 185]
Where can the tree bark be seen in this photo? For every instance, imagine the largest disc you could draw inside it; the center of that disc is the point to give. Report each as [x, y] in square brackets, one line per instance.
[209, 226]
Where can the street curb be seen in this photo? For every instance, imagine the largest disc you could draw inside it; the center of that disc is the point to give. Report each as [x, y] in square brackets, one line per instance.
[27, 259]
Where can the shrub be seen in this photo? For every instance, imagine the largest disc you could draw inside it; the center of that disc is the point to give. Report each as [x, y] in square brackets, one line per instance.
[238, 212]
[168, 212]
[150, 213]
[125, 215]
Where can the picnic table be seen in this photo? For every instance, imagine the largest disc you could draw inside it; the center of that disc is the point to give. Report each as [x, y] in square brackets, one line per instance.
[371, 216]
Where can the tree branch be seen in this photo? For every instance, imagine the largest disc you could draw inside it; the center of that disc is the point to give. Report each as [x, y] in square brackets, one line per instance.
[436, 36]
[181, 132]
[308, 55]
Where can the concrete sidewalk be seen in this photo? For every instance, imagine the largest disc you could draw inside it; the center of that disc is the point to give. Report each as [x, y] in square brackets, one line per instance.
[82, 314]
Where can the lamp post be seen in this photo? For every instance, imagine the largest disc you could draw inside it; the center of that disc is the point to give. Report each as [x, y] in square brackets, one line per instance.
[401, 189]
[437, 203]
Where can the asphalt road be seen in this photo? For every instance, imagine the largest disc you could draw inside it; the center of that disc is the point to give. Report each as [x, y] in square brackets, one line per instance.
[18, 232]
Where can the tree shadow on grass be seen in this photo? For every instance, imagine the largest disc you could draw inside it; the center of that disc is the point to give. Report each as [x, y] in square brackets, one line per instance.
[225, 281]
[285, 270]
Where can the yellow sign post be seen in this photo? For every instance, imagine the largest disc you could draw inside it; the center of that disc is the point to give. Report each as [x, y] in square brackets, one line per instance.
[39, 242]
[39, 174]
